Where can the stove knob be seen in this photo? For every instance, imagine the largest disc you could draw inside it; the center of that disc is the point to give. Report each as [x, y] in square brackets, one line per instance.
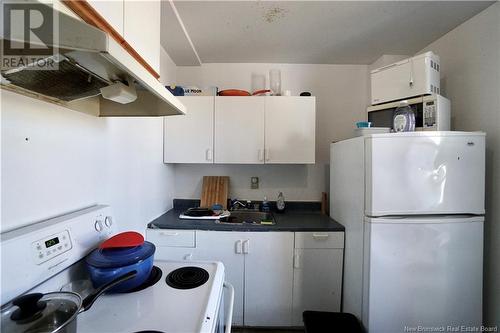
[108, 221]
[98, 225]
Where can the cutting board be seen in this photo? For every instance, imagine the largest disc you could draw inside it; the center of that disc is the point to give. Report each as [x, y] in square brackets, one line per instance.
[215, 190]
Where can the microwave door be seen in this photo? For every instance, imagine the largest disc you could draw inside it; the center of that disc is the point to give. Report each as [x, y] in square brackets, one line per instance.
[384, 117]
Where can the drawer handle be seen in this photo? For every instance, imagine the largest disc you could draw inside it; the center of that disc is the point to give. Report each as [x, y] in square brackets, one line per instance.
[321, 236]
[169, 233]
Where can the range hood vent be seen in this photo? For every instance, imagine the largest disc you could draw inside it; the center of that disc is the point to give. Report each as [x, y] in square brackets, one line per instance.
[88, 60]
[70, 82]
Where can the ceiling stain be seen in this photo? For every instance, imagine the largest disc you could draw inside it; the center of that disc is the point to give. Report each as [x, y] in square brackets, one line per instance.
[274, 14]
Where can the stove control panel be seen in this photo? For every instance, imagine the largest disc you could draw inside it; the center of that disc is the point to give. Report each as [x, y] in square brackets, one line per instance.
[41, 250]
[49, 247]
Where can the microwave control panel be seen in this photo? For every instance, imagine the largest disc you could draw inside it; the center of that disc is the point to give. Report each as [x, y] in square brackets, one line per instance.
[429, 114]
[51, 246]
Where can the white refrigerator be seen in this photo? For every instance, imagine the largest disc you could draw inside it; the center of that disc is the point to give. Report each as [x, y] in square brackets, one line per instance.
[413, 208]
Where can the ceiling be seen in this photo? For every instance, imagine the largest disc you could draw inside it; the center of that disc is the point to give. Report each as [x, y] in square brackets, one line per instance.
[309, 32]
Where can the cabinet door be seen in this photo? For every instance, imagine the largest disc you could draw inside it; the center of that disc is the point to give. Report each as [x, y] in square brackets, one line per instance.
[141, 29]
[225, 247]
[239, 130]
[189, 138]
[268, 278]
[111, 11]
[317, 281]
[290, 129]
[391, 82]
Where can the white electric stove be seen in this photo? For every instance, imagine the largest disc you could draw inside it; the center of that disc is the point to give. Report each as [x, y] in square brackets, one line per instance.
[178, 297]
[161, 307]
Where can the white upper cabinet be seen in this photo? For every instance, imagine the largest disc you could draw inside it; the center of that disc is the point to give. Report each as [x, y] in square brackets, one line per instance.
[142, 29]
[138, 22]
[239, 130]
[189, 138]
[243, 130]
[111, 11]
[290, 129]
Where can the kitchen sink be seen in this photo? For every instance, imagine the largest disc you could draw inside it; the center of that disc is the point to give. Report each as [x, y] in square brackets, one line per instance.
[248, 217]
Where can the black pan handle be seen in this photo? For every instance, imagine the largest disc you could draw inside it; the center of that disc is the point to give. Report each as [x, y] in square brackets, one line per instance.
[90, 299]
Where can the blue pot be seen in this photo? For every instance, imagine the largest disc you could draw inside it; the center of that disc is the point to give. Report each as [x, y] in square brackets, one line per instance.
[105, 265]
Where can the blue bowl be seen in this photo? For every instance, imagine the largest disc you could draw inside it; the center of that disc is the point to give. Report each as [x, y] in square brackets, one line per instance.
[101, 276]
[105, 265]
[363, 124]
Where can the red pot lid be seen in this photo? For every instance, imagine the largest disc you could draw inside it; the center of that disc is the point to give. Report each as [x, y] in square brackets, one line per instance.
[124, 239]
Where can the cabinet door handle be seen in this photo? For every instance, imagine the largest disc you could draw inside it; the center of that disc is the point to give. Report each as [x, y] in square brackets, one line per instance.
[208, 154]
[246, 246]
[321, 236]
[267, 154]
[237, 247]
[296, 258]
[169, 233]
[261, 155]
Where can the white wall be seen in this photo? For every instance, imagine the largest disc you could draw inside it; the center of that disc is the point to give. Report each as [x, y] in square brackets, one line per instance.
[71, 160]
[341, 95]
[470, 70]
[168, 69]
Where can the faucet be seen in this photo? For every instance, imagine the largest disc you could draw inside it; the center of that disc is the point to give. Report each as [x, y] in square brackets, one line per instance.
[238, 204]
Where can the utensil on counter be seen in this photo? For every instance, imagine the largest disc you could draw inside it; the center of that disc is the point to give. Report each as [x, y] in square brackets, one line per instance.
[215, 190]
[104, 265]
[123, 239]
[54, 311]
[233, 92]
[223, 214]
[199, 211]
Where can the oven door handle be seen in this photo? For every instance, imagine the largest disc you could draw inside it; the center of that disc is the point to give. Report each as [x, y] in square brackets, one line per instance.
[229, 316]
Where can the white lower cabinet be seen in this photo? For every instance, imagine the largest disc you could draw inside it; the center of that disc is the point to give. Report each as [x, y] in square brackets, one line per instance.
[259, 266]
[317, 273]
[226, 247]
[268, 278]
[276, 275]
[172, 244]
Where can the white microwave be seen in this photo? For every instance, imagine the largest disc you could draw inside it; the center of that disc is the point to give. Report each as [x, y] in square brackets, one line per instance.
[432, 113]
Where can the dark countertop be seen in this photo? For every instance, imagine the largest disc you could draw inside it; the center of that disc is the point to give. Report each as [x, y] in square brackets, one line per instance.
[297, 217]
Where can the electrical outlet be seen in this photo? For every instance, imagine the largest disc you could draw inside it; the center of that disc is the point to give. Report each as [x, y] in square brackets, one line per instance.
[254, 183]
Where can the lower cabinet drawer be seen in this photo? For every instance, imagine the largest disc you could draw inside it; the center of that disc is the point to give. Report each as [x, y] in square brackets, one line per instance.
[319, 240]
[171, 237]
